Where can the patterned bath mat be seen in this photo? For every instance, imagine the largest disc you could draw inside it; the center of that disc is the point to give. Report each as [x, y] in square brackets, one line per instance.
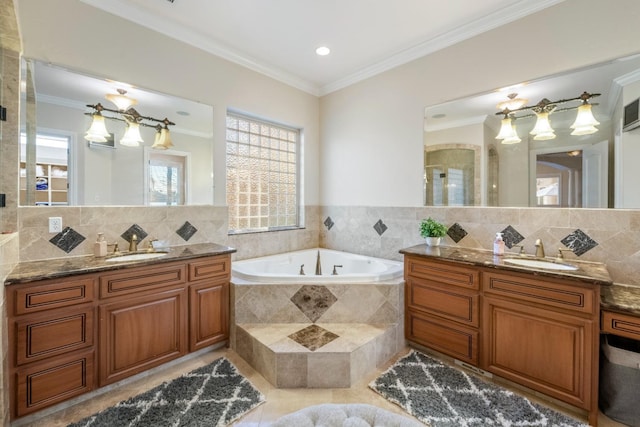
[442, 396]
[213, 395]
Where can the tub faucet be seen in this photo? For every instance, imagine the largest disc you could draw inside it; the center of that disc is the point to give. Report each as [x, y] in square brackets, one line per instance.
[335, 272]
[318, 266]
[301, 270]
[539, 249]
[133, 243]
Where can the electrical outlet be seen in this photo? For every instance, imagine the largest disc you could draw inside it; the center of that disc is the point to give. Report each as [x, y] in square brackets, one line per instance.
[55, 224]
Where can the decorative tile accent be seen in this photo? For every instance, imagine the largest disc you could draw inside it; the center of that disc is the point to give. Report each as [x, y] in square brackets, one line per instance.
[380, 227]
[186, 231]
[67, 239]
[329, 223]
[134, 229]
[579, 242]
[313, 300]
[511, 236]
[313, 337]
[456, 232]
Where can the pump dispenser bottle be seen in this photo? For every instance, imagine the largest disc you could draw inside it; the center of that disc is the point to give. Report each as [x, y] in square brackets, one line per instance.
[498, 245]
[100, 246]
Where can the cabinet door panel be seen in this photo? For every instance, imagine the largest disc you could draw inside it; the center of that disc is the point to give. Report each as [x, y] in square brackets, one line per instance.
[140, 333]
[446, 337]
[54, 294]
[46, 383]
[621, 324]
[210, 267]
[456, 275]
[446, 301]
[208, 307]
[142, 279]
[59, 332]
[545, 350]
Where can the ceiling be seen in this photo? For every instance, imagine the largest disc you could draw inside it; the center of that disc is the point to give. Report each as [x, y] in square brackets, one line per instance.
[278, 38]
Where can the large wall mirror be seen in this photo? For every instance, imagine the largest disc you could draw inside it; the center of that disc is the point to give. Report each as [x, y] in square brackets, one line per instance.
[59, 166]
[466, 165]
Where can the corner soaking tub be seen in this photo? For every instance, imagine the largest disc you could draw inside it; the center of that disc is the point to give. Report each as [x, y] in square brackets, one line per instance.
[287, 267]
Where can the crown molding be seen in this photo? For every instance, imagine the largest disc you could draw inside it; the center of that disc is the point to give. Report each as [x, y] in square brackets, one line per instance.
[130, 12]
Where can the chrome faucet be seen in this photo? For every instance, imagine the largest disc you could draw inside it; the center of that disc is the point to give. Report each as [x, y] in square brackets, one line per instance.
[539, 249]
[133, 243]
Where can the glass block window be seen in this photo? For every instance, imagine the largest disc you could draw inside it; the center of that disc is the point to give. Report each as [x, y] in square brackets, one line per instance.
[262, 174]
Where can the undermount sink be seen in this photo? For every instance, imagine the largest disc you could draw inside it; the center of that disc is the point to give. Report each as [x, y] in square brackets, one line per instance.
[540, 263]
[136, 257]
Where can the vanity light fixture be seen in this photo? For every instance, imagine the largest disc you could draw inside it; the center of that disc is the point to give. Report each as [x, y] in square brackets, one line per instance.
[98, 132]
[584, 124]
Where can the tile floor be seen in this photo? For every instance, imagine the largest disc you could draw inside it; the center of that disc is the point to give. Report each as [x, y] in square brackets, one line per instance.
[278, 401]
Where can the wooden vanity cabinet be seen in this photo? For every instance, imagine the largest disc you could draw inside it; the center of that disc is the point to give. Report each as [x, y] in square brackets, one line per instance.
[442, 308]
[69, 336]
[52, 329]
[537, 331]
[543, 333]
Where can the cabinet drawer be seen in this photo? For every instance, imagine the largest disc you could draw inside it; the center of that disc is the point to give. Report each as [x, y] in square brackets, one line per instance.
[60, 332]
[53, 294]
[446, 273]
[209, 267]
[446, 337]
[621, 324]
[46, 383]
[141, 279]
[542, 291]
[446, 301]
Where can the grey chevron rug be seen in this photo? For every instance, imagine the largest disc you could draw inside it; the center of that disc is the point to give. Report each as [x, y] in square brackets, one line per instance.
[213, 395]
[442, 396]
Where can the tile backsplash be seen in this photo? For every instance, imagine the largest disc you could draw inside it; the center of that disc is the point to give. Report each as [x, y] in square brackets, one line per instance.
[603, 235]
[611, 236]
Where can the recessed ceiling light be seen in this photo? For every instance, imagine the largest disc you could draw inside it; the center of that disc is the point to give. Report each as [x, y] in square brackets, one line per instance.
[323, 51]
[439, 116]
[183, 113]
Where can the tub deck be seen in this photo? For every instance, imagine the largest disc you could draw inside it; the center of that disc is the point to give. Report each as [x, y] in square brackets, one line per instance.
[323, 355]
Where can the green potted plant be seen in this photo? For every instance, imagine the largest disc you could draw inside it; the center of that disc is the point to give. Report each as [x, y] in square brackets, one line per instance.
[433, 231]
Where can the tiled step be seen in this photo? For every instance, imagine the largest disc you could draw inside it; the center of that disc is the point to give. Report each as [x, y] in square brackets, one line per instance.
[324, 355]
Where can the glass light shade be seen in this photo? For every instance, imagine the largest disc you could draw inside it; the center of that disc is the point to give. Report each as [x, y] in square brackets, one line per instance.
[98, 130]
[585, 123]
[122, 101]
[131, 137]
[163, 140]
[514, 138]
[506, 129]
[543, 136]
[542, 125]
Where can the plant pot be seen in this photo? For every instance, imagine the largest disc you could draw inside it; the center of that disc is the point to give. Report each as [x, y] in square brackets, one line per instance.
[433, 241]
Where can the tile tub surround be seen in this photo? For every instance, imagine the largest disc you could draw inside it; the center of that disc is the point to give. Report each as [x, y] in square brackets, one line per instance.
[616, 231]
[340, 333]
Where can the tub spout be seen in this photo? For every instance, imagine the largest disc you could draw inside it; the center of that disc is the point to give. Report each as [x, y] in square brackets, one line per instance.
[302, 270]
[318, 266]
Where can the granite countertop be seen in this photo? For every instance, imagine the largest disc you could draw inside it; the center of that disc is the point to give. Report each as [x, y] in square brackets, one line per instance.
[31, 271]
[621, 298]
[613, 296]
[589, 272]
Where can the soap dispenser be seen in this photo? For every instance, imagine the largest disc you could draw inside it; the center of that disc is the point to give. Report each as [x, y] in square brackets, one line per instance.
[498, 245]
[100, 246]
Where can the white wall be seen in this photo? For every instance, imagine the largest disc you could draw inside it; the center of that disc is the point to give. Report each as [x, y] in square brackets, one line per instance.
[372, 131]
[66, 32]
[629, 154]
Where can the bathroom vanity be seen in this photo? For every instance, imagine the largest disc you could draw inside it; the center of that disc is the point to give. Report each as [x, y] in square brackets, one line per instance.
[82, 323]
[536, 327]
